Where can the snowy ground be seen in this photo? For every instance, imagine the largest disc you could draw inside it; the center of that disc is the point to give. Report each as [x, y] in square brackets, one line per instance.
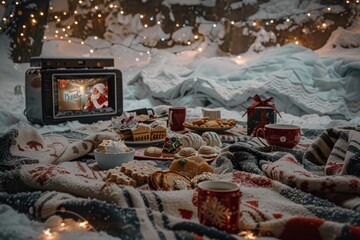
[131, 62]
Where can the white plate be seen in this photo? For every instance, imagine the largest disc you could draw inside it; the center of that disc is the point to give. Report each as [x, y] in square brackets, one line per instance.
[143, 143]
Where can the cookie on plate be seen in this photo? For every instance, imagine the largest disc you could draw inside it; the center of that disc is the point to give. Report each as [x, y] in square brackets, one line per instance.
[186, 152]
[153, 152]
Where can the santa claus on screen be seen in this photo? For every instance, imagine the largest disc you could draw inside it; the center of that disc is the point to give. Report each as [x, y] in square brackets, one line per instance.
[98, 98]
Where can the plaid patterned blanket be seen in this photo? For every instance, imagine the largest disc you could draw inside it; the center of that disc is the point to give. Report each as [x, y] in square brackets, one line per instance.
[310, 193]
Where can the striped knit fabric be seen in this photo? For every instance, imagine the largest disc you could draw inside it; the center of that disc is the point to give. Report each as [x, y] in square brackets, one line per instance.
[338, 149]
[285, 194]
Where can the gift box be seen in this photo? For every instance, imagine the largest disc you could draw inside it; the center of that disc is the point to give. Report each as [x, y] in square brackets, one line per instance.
[260, 113]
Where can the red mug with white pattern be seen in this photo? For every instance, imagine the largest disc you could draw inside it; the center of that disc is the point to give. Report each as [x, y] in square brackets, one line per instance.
[218, 205]
[284, 135]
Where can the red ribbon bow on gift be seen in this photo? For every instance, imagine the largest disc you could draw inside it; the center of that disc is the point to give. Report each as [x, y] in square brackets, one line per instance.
[258, 102]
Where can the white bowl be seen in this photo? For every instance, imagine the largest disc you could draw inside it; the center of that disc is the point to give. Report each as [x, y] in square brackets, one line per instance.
[111, 160]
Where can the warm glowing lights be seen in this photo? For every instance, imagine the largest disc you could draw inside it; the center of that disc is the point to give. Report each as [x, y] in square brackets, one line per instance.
[188, 43]
[196, 37]
[297, 42]
[82, 42]
[23, 26]
[329, 9]
[141, 16]
[122, 12]
[288, 19]
[214, 25]
[232, 22]
[91, 50]
[99, 15]
[324, 25]
[69, 41]
[95, 37]
[47, 232]
[111, 5]
[309, 14]
[76, 22]
[247, 235]
[3, 2]
[41, 13]
[200, 49]
[145, 25]
[158, 22]
[254, 23]
[32, 15]
[33, 21]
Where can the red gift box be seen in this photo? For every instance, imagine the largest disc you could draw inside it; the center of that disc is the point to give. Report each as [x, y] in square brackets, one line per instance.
[260, 113]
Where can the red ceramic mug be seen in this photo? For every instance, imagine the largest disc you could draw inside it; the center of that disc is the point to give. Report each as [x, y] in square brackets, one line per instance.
[218, 205]
[284, 135]
[177, 117]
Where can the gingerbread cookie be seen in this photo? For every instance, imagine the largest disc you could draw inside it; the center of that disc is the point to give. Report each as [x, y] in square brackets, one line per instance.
[139, 171]
[115, 175]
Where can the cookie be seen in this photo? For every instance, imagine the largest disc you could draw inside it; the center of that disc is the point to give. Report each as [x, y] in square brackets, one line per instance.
[187, 152]
[208, 151]
[191, 166]
[168, 181]
[115, 175]
[205, 176]
[153, 152]
[140, 171]
[171, 146]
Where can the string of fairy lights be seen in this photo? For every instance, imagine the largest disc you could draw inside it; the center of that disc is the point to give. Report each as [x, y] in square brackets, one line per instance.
[64, 33]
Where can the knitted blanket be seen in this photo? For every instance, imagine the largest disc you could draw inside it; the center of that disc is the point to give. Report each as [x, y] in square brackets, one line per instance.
[308, 193]
[323, 86]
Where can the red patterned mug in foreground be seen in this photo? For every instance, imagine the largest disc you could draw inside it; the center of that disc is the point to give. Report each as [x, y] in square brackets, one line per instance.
[218, 205]
[284, 135]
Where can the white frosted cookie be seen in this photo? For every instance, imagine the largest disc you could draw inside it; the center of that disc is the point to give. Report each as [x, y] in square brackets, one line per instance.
[187, 152]
[211, 139]
[191, 139]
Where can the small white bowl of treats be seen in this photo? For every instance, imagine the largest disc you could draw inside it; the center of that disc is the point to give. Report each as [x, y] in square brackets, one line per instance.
[110, 154]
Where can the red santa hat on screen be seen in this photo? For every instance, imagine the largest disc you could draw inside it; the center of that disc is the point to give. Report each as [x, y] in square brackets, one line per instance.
[100, 87]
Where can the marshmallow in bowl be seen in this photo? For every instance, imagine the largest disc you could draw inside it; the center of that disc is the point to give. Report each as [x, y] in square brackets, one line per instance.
[110, 146]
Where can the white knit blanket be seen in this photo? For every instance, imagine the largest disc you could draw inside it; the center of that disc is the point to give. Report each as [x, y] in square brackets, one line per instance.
[300, 81]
